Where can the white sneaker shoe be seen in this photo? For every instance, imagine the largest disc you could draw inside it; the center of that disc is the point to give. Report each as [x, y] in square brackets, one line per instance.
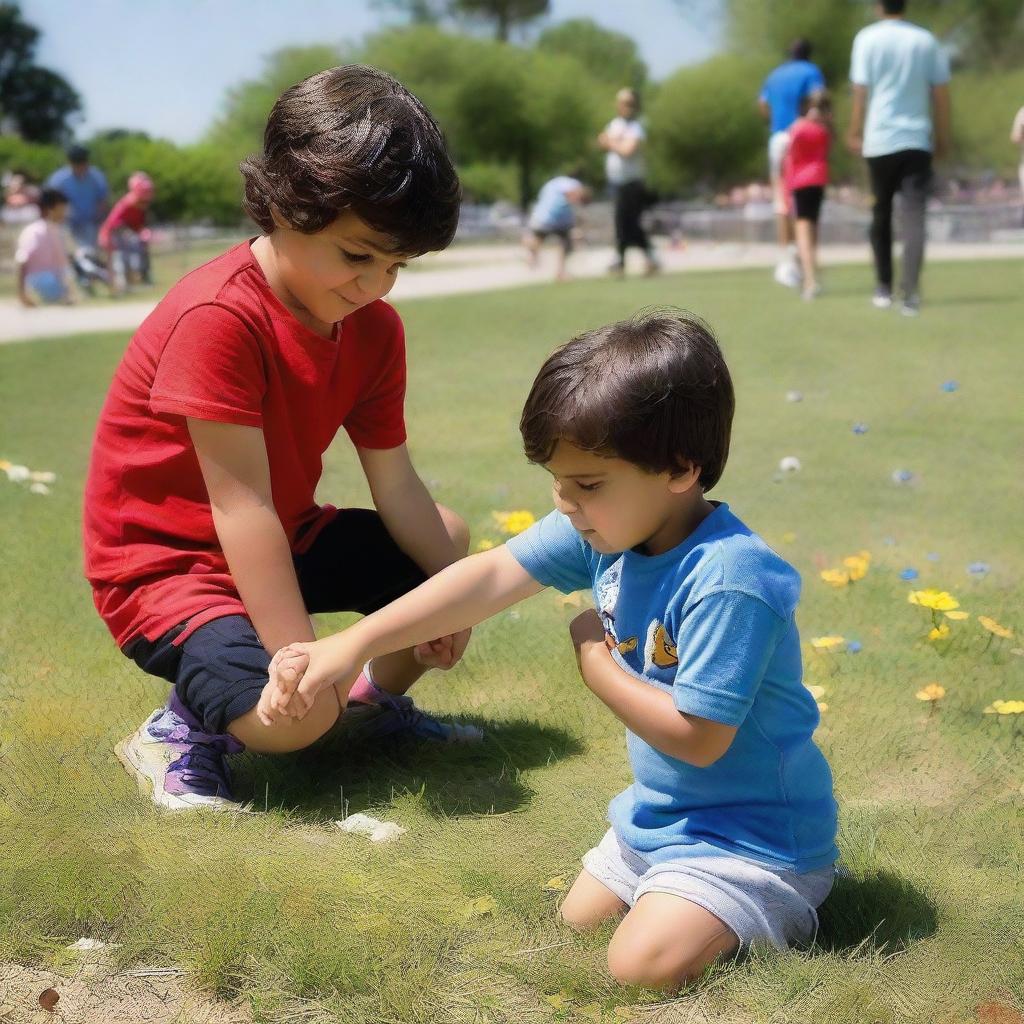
[177, 767]
[881, 299]
[788, 274]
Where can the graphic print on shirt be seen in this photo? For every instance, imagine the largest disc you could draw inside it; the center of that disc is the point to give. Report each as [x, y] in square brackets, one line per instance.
[607, 591]
[659, 650]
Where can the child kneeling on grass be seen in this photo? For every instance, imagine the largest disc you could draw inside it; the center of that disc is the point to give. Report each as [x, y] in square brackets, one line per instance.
[204, 544]
[727, 835]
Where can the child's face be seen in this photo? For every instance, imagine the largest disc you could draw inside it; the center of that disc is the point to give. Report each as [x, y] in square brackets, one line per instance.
[57, 214]
[335, 271]
[614, 504]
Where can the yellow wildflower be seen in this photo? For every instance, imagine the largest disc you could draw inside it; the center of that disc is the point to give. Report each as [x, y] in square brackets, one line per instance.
[835, 577]
[993, 627]
[931, 692]
[958, 616]
[817, 692]
[1005, 707]
[514, 522]
[822, 707]
[484, 545]
[788, 537]
[858, 566]
[828, 643]
[939, 632]
[936, 600]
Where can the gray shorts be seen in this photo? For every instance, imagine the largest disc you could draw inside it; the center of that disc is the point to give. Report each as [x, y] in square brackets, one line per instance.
[760, 904]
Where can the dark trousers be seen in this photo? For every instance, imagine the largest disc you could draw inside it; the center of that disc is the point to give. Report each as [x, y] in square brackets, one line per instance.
[908, 172]
[630, 202]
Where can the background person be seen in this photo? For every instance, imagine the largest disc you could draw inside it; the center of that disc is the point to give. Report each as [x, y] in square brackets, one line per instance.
[554, 213]
[900, 76]
[623, 142]
[124, 235]
[1017, 137]
[44, 274]
[87, 192]
[779, 103]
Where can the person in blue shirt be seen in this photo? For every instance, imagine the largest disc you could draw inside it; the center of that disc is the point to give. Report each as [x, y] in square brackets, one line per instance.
[779, 102]
[554, 213]
[87, 192]
[900, 77]
[726, 836]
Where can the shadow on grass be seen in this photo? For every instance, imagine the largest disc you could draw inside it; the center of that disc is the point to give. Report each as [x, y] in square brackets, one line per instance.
[881, 911]
[450, 779]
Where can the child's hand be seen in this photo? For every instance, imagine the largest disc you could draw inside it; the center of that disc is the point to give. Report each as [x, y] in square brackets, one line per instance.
[586, 630]
[287, 668]
[443, 653]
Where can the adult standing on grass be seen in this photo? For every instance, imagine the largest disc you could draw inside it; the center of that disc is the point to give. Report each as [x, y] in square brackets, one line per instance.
[623, 141]
[779, 102]
[900, 119]
[87, 192]
[1017, 137]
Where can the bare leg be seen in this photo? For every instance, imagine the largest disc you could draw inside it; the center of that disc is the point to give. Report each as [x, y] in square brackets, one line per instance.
[589, 903]
[666, 941]
[806, 241]
[532, 245]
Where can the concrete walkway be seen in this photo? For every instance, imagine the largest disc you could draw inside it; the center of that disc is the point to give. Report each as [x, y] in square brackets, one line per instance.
[480, 268]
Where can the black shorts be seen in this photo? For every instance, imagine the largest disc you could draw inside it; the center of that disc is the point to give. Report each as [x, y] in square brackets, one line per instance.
[808, 202]
[564, 235]
[220, 670]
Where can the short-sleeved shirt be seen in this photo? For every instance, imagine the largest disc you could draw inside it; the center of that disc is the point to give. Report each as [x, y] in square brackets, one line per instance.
[553, 211]
[786, 86]
[86, 194]
[41, 247]
[620, 170]
[710, 622]
[899, 63]
[221, 346]
[1017, 131]
[806, 162]
[126, 213]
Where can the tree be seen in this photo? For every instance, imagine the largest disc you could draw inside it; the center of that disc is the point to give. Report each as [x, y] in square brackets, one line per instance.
[703, 126]
[503, 13]
[610, 57]
[38, 104]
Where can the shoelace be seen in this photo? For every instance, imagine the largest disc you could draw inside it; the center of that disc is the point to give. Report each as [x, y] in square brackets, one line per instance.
[205, 769]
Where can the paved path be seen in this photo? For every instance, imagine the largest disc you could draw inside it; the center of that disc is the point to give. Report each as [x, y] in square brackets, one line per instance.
[478, 268]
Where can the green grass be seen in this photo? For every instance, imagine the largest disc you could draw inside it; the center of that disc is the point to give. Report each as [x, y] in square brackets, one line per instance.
[303, 920]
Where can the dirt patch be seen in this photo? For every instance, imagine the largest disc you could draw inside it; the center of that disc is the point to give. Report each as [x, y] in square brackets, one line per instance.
[91, 996]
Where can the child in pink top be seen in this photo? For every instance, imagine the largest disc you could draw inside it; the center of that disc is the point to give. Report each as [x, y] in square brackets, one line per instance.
[124, 234]
[806, 175]
[42, 261]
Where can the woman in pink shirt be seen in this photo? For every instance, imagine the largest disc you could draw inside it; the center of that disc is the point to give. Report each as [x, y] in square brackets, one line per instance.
[806, 175]
[124, 234]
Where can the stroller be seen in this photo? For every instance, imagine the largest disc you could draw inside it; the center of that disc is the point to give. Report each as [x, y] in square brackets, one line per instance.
[90, 267]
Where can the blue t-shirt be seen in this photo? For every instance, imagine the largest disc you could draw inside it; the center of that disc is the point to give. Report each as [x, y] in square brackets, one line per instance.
[553, 211]
[711, 622]
[898, 63]
[786, 86]
[85, 194]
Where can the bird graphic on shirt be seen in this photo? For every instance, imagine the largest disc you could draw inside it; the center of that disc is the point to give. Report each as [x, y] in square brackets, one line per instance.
[659, 651]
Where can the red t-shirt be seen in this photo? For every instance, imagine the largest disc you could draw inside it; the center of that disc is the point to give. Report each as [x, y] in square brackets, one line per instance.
[221, 346]
[126, 213]
[807, 155]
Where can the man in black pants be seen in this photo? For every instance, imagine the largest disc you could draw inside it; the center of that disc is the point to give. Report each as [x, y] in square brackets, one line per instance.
[623, 141]
[900, 78]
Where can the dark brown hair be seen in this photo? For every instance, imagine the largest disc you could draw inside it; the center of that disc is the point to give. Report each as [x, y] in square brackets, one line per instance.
[353, 138]
[653, 390]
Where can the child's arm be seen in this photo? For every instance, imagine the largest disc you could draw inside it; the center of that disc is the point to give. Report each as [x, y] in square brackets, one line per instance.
[457, 598]
[233, 460]
[406, 508]
[648, 712]
[23, 296]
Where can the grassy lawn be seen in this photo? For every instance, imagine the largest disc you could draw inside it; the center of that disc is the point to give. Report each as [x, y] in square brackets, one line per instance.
[454, 922]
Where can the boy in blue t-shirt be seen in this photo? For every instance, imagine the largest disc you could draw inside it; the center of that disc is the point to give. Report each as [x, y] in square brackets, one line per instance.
[727, 835]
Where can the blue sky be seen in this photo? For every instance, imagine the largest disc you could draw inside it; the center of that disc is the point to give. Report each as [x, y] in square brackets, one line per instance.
[163, 65]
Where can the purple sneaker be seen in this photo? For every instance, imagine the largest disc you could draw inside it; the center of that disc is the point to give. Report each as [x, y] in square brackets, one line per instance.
[389, 714]
[176, 764]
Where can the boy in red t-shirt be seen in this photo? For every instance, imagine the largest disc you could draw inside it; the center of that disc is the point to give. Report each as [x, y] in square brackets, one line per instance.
[806, 175]
[204, 545]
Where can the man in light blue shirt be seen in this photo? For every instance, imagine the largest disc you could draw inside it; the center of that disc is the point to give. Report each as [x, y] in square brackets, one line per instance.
[900, 76]
[87, 192]
[779, 103]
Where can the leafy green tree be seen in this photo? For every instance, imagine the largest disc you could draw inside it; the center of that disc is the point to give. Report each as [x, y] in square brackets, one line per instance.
[703, 126]
[610, 57]
[504, 14]
[38, 104]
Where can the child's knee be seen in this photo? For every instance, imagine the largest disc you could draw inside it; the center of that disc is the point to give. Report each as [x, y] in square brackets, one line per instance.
[287, 735]
[456, 527]
[648, 967]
